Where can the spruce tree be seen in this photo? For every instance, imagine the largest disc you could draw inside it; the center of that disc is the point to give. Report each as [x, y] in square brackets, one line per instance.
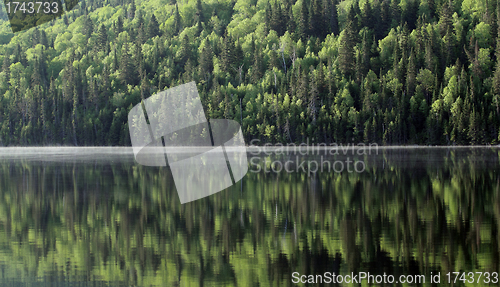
[102, 38]
[290, 23]
[257, 67]
[365, 54]
[177, 21]
[445, 18]
[313, 97]
[314, 18]
[6, 68]
[153, 27]
[326, 13]
[334, 22]
[367, 16]
[88, 26]
[185, 50]
[227, 54]
[303, 23]
[127, 69]
[119, 25]
[199, 11]
[206, 63]
[346, 51]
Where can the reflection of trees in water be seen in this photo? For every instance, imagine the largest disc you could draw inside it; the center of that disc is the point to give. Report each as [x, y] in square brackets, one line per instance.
[410, 213]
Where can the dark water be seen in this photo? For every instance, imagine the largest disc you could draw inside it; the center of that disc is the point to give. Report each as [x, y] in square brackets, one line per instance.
[93, 217]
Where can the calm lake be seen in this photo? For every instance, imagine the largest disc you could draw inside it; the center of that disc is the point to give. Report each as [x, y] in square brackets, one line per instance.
[94, 217]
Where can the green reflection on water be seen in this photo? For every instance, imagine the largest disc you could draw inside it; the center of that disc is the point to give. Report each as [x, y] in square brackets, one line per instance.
[106, 219]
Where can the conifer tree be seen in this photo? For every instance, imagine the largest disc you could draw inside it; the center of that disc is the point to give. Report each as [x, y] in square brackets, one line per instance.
[334, 22]
[206, 63]
[141, 35]
[102, 38]
[367, 16]
[119, 25]
[127, 69]
[153, 27]
[497, 50]
[445, 18]
[303, 89]
[365, 54]
[314, 18]
[199, 11]
[185, 50]
[411, 74]
[313, 98]
[88, 26]
[227, 54]
[303, 24]
[346, 51]
[290, 23]
[326, 14]
[6, 68]
[177, 21]
[257, 67]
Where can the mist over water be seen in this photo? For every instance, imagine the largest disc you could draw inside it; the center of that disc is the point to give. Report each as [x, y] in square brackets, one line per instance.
[93, 216]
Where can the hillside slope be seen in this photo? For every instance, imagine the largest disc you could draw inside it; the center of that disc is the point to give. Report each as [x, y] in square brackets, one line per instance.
[391, 72]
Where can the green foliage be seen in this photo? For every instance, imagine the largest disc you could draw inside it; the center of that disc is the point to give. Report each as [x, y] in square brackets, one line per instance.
[349, 70]
[482, 33]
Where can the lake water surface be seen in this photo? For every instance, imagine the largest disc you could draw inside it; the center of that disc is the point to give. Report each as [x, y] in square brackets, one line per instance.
[94, 217]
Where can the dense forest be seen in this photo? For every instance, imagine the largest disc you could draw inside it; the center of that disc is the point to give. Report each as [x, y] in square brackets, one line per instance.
[390, 72]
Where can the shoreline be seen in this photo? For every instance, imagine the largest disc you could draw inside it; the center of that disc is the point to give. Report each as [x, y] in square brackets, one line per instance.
[275, 146]
[249, 149]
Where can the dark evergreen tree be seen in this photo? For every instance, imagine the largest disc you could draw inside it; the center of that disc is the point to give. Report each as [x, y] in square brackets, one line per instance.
[313, 98]
[303, 24]
[290, 23]
[334, 22]
[497, 50]
[206, 63]
[102, 38]
[88, 26]
[6, 68]
[227, 58]
[278, 22]
[43, 39]
[141, 35]
[119, 25]
[411, 75]
[258, 66]
[177, 21]
[365, 54]
[185, 51]
[127, 69]
[367, 16]
[153, 27]
[384, 21]
[199, 11]
[315, 19]
[445, 18]
[395, 11]
[346, 51]
[353, 18]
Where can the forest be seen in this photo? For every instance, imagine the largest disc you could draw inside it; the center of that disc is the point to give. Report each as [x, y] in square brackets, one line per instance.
[408, 72]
